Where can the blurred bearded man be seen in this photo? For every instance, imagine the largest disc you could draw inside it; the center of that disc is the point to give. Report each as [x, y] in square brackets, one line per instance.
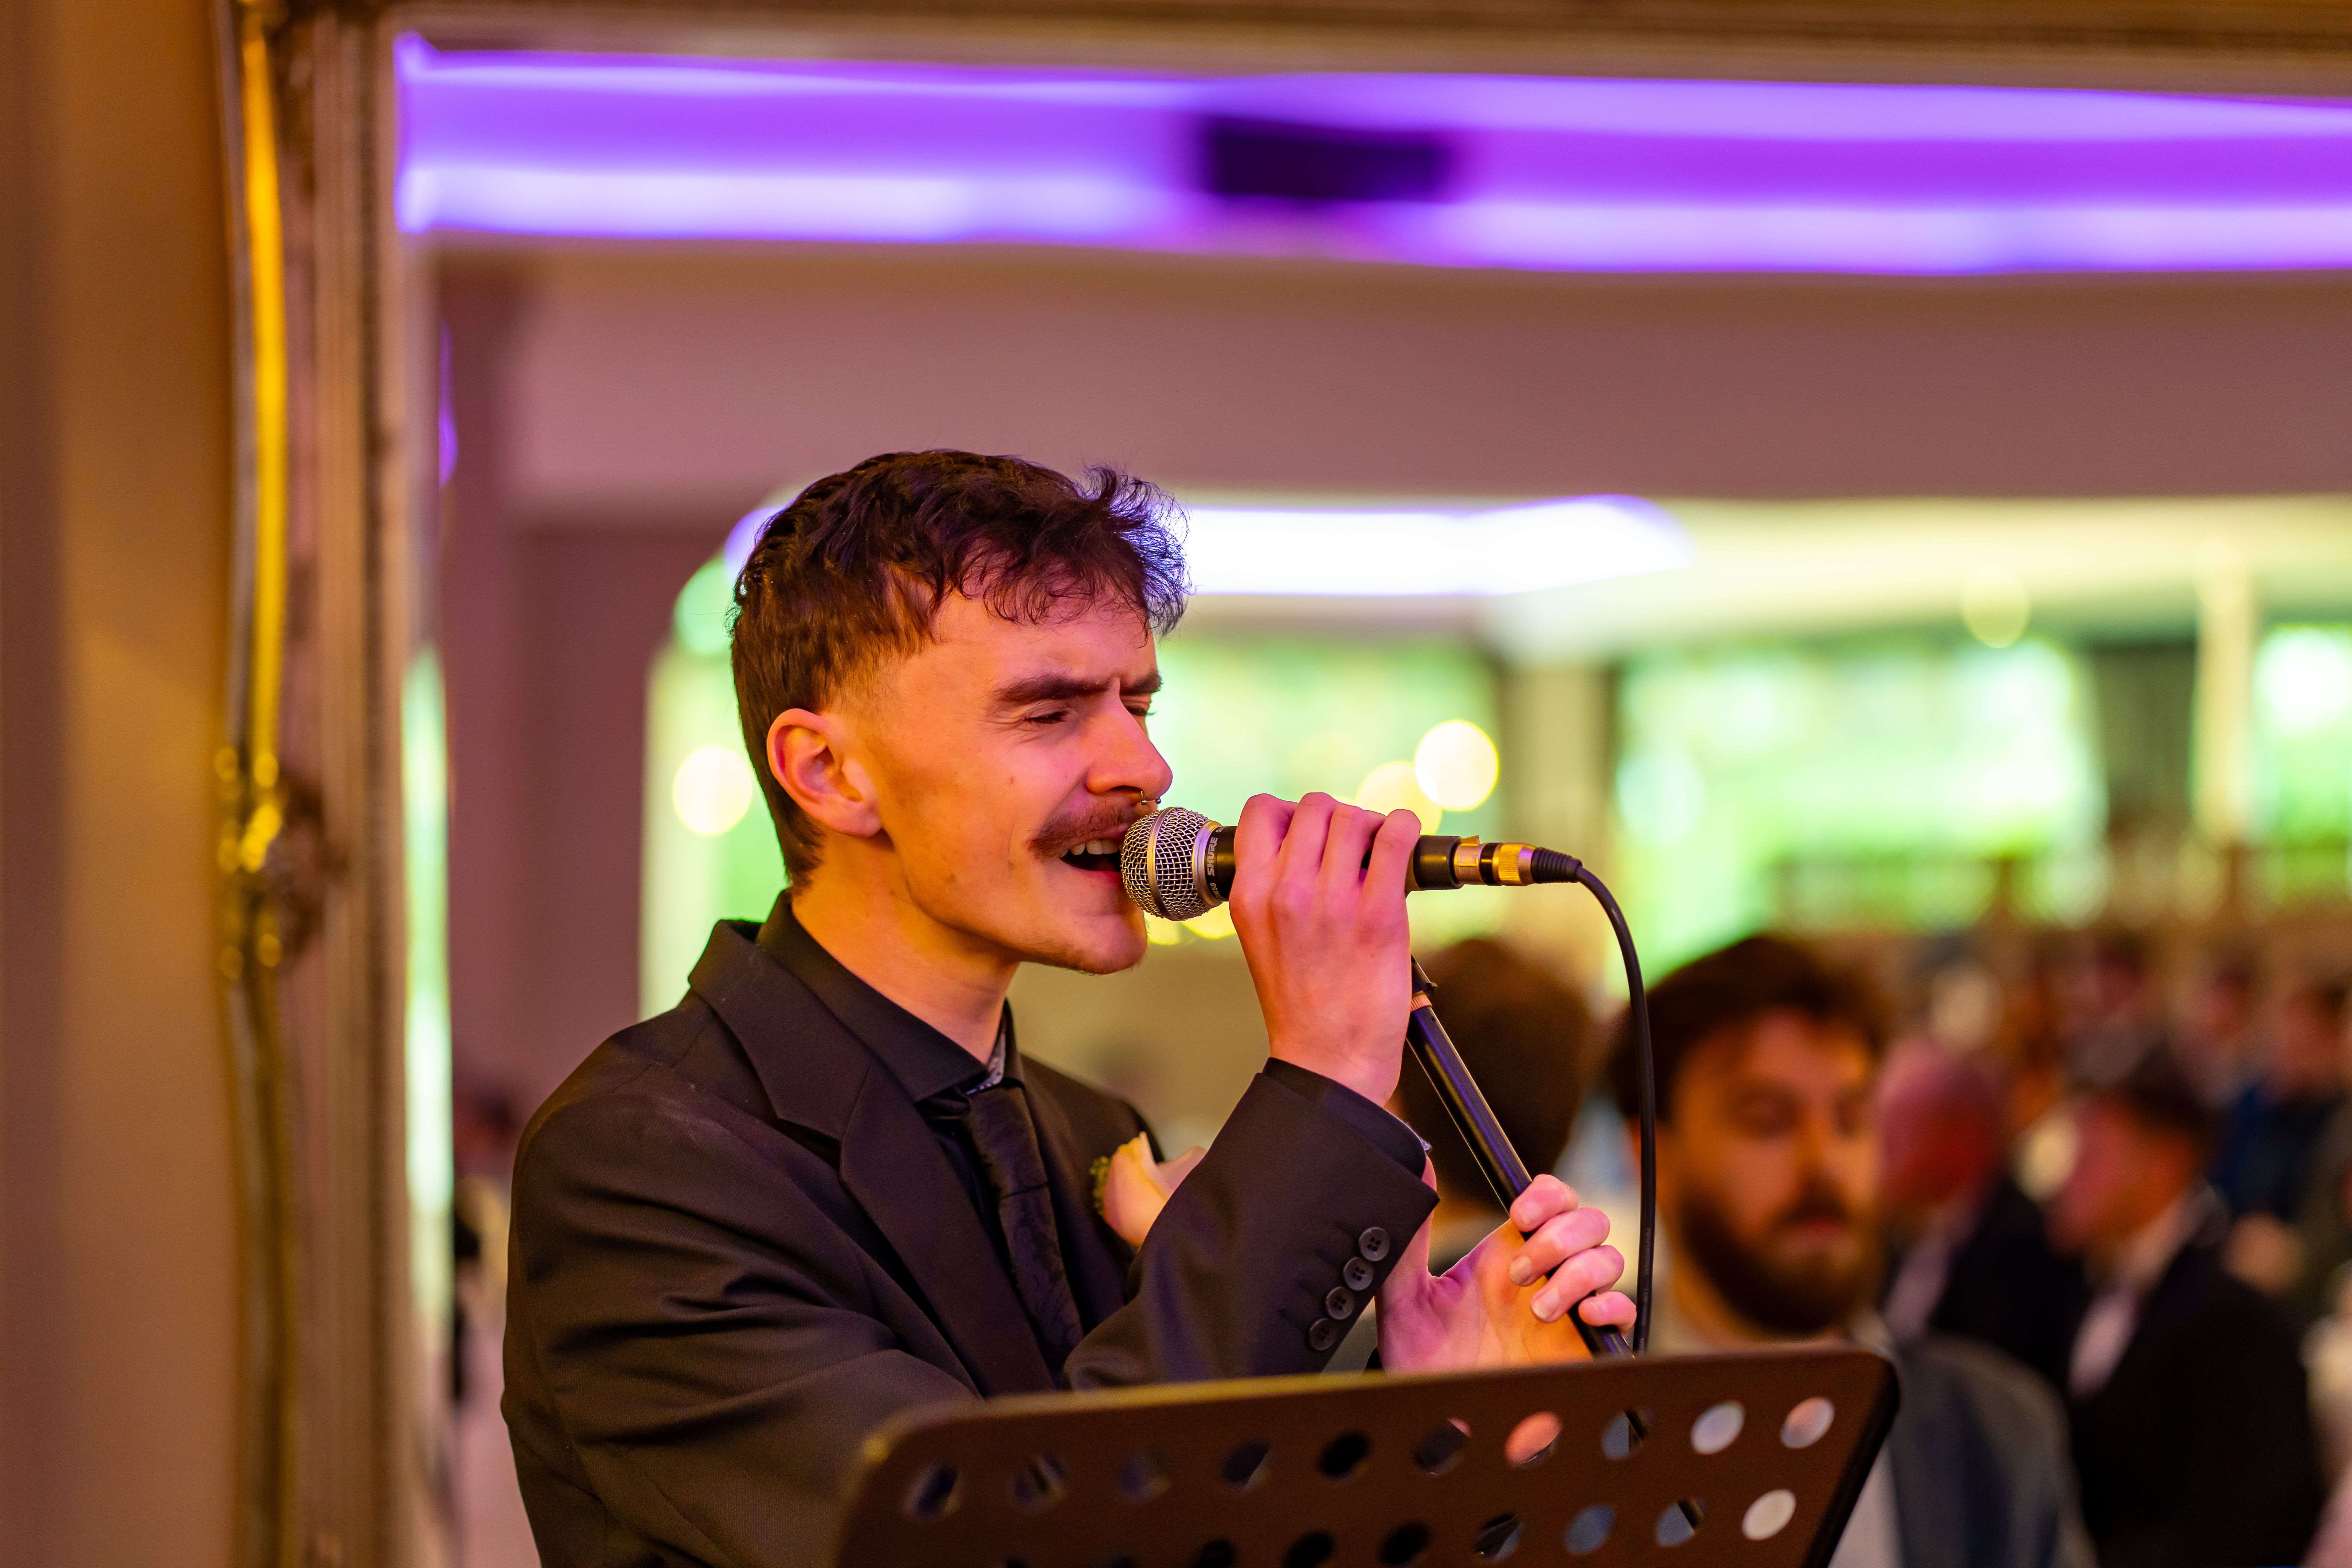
[1767, 1188]
[826, 1187]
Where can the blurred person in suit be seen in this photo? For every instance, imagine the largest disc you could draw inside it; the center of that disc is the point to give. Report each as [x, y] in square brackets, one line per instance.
[2192, 1431]
[2327, 1360]
[1768, 1193]
[1972, 1257]
[1522, 1034]
[2117, 1020]
[2274, 1140]
[2219, 1046]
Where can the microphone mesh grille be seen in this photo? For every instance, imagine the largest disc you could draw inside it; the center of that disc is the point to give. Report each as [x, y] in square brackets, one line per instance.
[1155, 861]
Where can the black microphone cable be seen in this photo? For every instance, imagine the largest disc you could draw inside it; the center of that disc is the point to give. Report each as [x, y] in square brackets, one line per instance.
[1553, 865]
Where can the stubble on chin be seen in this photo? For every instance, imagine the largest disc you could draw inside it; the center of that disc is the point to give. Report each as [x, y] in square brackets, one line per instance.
[1110, 958]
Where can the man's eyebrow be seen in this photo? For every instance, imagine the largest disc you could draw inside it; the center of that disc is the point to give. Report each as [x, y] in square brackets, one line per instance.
[1059, 687]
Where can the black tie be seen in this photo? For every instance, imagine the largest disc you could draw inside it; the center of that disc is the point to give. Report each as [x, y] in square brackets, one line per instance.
[1007, 1141]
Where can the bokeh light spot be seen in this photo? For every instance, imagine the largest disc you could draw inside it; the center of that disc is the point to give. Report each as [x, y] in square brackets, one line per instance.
[713, 789]
[2304, 678]
[1995, 607]
[1455, 765]
[1214, 923]
[1392, 786]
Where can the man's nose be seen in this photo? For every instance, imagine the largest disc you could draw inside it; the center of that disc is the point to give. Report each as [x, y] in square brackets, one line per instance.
[1132, 761]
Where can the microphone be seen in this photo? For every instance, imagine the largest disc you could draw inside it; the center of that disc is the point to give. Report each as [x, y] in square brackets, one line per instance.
[1178, 864]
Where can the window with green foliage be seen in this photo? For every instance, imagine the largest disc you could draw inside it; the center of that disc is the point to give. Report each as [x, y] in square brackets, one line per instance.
[2302, 734]
[1384, 721]
[2302, 758]
[709, 849]
[1864, 783]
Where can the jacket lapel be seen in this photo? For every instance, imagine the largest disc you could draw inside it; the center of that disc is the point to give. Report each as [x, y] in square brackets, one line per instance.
[818, 1076]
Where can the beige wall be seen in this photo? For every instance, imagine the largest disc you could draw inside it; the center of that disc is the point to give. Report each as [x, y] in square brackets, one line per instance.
[673, 379]
[117, 1246]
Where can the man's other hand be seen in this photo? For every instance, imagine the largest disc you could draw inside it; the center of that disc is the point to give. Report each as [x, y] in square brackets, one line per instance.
[1495, 1308]
[1325, 934]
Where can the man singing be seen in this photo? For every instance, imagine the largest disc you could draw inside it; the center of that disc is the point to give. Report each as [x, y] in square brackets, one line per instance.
[827, 1187]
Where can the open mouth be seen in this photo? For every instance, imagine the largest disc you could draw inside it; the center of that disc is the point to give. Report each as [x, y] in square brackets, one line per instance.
[1094, 854]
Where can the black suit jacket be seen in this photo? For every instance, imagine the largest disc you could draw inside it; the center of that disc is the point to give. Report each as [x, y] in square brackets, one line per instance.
[2006, 1288]
[1978, 1457]
[737, 1248]
[2198, 1451]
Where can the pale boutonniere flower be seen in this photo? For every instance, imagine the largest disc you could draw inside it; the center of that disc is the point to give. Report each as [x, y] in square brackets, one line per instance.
[1131, 1187]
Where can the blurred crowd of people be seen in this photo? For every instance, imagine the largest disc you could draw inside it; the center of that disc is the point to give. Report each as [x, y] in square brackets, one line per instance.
[2108, 1242]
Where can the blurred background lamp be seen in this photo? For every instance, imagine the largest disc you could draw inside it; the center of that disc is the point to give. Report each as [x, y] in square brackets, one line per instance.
[1455, 765]
[713, 789]
[1409, 552]
[1391, 787]
[1995, 607]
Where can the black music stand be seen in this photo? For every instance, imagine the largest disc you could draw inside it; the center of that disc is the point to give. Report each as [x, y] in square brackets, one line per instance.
[1754, 1460]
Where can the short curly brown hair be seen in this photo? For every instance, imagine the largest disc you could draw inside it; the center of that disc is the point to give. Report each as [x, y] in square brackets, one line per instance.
[1732, 987]
[857, 566]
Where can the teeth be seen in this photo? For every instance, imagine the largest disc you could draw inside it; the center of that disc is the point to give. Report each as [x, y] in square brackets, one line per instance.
[1095, 847]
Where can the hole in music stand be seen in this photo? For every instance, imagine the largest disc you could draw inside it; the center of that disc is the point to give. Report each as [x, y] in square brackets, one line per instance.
[1498, 1538]
[1680, 1522]
[1037, 1484]
[1625, 1434]
[1808, 1421]
[1769, 1515]
[1406, 1544]
[1310, 1551]
[1533, 1440]
[935, 1493]
[1218, 1554]
[1143, 1477]
[1443, 1447]
[1717, 1426]
[1246, 1467]
[1344, 1455]
[1588, 1532]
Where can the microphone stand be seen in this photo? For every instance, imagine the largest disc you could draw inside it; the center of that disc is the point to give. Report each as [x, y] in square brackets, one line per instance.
[1505, 1172]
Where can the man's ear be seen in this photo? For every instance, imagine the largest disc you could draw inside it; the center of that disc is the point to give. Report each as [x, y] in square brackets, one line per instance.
[809, 755]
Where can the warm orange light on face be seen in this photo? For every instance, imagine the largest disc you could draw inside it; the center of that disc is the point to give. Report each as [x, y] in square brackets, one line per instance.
[995, 748]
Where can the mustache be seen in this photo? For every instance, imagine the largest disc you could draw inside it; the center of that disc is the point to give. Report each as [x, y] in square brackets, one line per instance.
[1814, 1203]
[1108, 819]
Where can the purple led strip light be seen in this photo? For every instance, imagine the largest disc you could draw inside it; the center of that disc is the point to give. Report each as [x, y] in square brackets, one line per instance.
[1543, 174]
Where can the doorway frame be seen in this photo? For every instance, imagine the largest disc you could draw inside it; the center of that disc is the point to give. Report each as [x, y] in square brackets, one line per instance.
[341, 1434]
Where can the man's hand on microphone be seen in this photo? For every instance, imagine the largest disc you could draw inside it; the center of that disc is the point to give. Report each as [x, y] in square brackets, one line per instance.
[1495, 1308]
[1325, 934]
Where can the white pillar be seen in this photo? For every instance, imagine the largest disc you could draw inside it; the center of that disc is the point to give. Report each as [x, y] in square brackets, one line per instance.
[2227, 623]
[1556, 751]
